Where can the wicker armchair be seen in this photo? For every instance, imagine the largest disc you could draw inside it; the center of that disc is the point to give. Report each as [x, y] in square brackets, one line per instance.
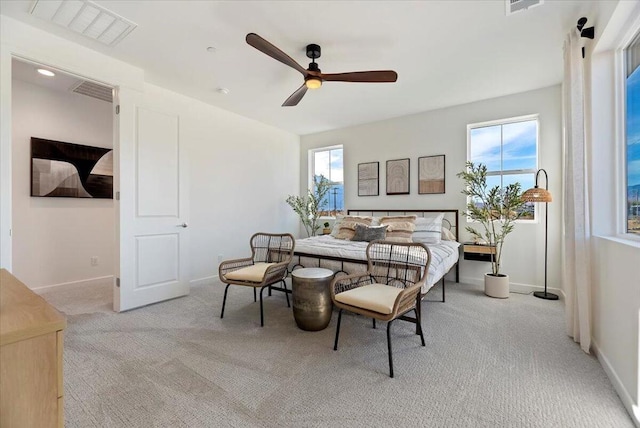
[388, 290]
[270, 255]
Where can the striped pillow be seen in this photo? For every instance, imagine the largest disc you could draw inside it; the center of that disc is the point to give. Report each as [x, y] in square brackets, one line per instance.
[400, 228]
[428, 229]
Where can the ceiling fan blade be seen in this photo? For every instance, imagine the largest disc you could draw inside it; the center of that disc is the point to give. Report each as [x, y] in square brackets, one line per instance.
[268, 49]
[295, 98]
[381, 76]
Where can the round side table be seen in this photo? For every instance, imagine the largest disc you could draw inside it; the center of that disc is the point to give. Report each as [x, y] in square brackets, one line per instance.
[312, 306]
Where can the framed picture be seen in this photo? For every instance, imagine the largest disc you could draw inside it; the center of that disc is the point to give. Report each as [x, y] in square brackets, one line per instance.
[369, 179]
[431, 175]
[67, 170]
[398, 177]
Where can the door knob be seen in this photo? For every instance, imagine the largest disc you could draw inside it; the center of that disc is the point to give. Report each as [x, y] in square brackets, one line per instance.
[183, 225]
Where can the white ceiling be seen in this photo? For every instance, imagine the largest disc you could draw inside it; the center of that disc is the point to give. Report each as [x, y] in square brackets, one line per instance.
[445, 52]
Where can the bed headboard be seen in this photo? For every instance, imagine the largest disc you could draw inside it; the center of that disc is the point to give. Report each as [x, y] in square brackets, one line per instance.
[450, 216]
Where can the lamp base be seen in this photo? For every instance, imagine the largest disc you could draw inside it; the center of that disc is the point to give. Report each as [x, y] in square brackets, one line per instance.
[545, 295]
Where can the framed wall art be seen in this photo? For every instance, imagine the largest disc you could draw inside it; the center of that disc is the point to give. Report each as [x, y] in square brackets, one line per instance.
[398, 177]
[369, 179]
[431, 175]
[67, 170]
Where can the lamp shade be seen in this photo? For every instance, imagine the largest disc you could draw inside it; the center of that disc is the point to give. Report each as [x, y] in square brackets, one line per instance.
[537, 194]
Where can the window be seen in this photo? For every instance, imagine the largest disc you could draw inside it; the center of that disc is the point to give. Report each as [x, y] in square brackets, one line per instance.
[327, 162]
[509, 149]
[632, 126]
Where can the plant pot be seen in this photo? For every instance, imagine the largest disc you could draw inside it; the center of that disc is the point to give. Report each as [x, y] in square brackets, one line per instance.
[496, 286]
[326, 231]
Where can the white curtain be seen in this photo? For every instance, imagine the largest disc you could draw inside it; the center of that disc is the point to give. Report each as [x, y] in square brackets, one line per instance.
[577, 235]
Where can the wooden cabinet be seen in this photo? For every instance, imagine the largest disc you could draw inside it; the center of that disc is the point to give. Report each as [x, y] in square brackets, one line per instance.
[31, 341]
[478, 252]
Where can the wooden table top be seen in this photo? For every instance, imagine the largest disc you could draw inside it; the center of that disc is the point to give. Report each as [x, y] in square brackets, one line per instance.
[24, 314]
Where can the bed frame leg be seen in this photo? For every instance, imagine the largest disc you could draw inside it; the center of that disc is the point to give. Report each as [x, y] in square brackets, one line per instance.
[443, 287]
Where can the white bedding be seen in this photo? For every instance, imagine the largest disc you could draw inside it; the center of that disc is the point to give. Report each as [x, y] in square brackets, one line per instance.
[443, 255]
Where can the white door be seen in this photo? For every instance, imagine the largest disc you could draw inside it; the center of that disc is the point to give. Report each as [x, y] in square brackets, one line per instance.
[152, 206]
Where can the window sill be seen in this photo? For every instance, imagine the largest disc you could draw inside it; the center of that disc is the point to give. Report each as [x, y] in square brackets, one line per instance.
[630, 241]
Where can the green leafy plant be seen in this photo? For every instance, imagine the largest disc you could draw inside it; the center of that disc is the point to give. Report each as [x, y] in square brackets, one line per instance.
[496, 209]
[308, 207]
[326, 225]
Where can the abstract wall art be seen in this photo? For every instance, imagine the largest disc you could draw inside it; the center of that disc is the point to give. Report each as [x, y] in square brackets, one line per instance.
[431, 175]
[398, 177]
[69, 170]
[368, 179]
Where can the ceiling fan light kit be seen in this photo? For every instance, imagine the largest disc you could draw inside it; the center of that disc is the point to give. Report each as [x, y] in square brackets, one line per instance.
[313, 77]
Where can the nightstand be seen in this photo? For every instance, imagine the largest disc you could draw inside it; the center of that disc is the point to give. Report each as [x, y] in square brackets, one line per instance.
[478, 252]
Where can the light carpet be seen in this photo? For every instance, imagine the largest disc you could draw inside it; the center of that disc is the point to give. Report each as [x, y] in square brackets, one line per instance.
[487, 363]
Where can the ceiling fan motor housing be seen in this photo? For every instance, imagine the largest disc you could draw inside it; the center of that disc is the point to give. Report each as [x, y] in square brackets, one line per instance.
[313, 51]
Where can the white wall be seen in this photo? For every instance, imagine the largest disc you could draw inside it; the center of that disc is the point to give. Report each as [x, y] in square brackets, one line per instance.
[445, 132]
[54, 238]
[616, 284]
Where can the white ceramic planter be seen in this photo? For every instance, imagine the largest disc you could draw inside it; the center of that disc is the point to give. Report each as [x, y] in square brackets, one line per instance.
[496, 286]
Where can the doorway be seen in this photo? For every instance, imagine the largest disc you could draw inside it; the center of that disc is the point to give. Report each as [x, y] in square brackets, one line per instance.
[63, 229]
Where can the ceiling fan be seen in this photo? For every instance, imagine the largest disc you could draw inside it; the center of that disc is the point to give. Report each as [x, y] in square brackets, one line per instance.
[313, 78]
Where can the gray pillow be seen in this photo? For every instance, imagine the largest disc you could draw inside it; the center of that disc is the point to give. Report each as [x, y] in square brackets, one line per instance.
[369, 233]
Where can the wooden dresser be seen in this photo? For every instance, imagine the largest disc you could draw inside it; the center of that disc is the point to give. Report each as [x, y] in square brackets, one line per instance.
[31, 341]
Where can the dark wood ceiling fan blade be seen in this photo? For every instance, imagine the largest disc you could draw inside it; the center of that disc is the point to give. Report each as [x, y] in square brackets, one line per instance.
[268, 49]
[380, 76]
[295, 98]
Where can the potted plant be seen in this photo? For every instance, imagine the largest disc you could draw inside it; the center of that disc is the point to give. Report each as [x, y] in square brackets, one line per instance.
[496, 209]
[326, 229]
[308, 207]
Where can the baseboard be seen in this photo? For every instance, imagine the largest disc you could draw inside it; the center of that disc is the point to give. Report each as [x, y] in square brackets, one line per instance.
[83, 282]
[207, 280]
[625, 397]
[516, 287]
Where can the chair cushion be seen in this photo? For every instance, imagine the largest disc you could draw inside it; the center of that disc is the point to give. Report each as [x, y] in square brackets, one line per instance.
[253, 273]
[373, 297]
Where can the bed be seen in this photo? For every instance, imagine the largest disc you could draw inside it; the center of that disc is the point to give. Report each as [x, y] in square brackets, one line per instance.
[345, 256]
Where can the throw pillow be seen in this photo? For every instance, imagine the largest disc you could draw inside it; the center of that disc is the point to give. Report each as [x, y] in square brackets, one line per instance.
[336, 225]
[447, 235]
[399, 228]
[400, 231]
[428, 229]
[368, 234]
[347, 228]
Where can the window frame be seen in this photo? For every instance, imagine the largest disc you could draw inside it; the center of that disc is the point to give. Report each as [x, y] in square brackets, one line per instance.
[312, 168]
[506, 121]
[620, 84]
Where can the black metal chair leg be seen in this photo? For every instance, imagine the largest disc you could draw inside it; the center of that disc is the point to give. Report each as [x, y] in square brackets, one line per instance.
[419, 324]
[284, 285]
[374, 322]
[269, 291]
[335, 344]
[261, 311]
[224, 301]
[389, 346]
[418, 311]
[254, 295]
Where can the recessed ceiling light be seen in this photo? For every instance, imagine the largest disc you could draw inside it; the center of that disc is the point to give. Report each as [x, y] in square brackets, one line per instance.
[211, 49]
[46, 72]
[223, 91]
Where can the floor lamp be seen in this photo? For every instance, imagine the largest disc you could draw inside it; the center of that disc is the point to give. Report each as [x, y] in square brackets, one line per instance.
[542, 195]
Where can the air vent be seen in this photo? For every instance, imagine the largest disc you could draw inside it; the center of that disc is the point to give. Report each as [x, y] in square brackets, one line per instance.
[94, 90]
[86, 18]
[513, 6]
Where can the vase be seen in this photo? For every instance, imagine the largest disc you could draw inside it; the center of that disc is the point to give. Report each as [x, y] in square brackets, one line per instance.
[496, 285]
